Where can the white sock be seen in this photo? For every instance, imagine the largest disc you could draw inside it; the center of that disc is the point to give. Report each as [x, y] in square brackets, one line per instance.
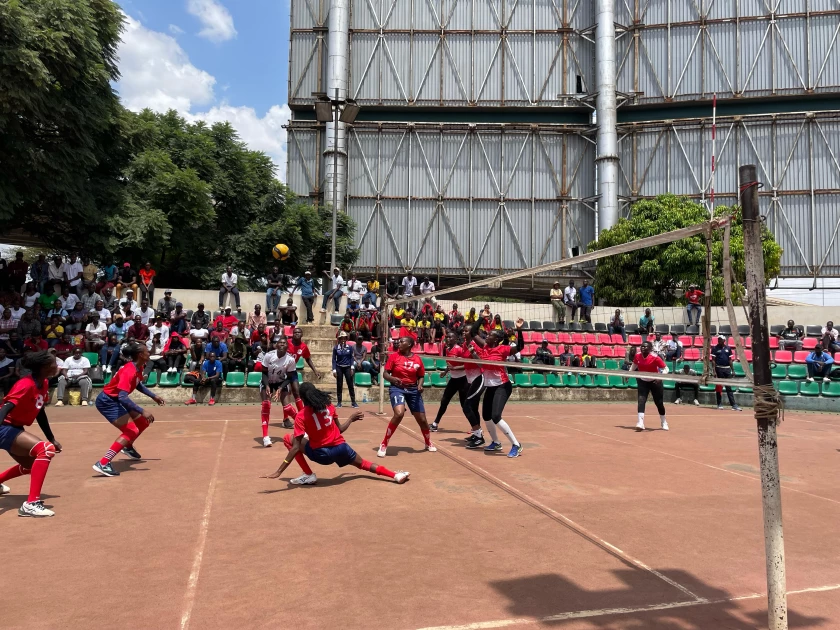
[642, 417]
[662, 418]
[491, 429]
[505, 428]
[477, 432]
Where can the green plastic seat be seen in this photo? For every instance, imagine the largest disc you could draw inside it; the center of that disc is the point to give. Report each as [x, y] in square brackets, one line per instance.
[617, 382]
[810, 389]
[788, 388]
[555, 380]
[440, 364]
[738, 369]
[152, 379]
[300, 364]
[93, 357]
[698, 367]
[611, 364]
[669, 384]
[539, 380]
[169, 380]
[526, 365]
[254, 379]
[428, 363]
[587, 381]
[797, 372]
[235, 379]
[362, 379]
[523, 380]
[438, 380]
[831, 390]
[779, 371]
[745, 390]
[632, 384]
[602, 380]
[571, 380]
[427, 381]
[107, 378]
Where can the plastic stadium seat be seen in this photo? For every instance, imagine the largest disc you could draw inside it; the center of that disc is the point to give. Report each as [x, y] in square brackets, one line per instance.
[271, 318]
[632, 383]
[595, 351]
[169, 380]
[428, 363]
[603, 381]
[578, 338]
[686, 341]
[549, 326]
[788, 388]
[552, 337]
[530, 349]
[152, 379]
[607, 351]
[590, 338]
[254, 379]
[725, 329]
[427, 381]
[797, 372]
[93, 357]
[809, 389]
[600, 327]
[617, 382]
[431, 348]
[634, 340]
[368, 345]
[216, 314]
[809, 343]
[555, 349]
[774, 343]
[539, 380]
[745, 390]
[573, 326]
[783, 356]
[535, 325]
[288, 330]
[778, 371]
[556, 380]
[692, 330]
[440, 364]
[692, 354]
[832, 390]
[813, 331]
[669, 384]
[335, 319]
[395, 334]
[800, 355]
[678, 328]
[748, 354]
[611, 365]
[564, 338]
[362, 379]
[522, 380]
[508, 323]
[604, 339]
[698, 341]
[299, 364]
[570, 380]
[662, 328]
[240, 316]
[351, 343]
[235, 379]
[438, 380]
[587, 381]
[577, 349]
[618, 340]
[738, 369]
[532, 337]
[189, 314]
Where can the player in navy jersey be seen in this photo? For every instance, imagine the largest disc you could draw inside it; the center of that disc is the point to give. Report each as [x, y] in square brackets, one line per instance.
[20, 408]
[404, 371]
[319, 435]
[647, 361]
[127, 416]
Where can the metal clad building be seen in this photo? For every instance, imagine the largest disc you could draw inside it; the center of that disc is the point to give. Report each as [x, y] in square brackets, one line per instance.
[475, 150]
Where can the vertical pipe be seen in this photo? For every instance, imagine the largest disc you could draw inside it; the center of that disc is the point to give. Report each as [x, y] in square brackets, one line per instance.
[338, 77]
[714, 132]
[766, 407]
[605, 107]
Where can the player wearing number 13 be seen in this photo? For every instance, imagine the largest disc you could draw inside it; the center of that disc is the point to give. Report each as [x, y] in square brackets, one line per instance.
[319, 434]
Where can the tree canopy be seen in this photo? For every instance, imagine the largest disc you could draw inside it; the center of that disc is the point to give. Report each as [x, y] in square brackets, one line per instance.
[658, 276]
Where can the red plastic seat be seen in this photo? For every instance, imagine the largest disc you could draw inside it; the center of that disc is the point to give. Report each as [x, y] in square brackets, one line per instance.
[618, 340]
[564, 338]
[809, 343]
[686, 340]
[431, 348]
[698, 341]
[550, 337]
[578, 338]
[532, 337]
[590, 338]
[604, 339]
[395, 334]
[692, 354]
[352, 344]
[577, 349]
[555, 349]
[748, 354]
[634, 340]
[368, 345]
[529, 350]
[595, 351]
[800, 355]
[288, 330]
[774, 343]
[783, 356]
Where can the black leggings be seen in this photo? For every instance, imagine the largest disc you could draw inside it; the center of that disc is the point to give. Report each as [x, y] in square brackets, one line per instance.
[651, 387]
[454, 386]
[212, 383]
[473, 400]
[495, 399]
[344, 373]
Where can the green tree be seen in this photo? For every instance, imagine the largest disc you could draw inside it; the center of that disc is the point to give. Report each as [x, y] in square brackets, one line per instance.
[59, 115]
[658, 276]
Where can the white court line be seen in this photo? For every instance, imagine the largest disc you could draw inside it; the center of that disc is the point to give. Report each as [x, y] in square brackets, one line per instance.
[693, 461]
[225, 420]
[556, 516]
[582, 614]
[192, 583]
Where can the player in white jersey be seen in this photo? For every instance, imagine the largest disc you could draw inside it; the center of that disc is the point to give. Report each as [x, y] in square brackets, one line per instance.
[278, 370]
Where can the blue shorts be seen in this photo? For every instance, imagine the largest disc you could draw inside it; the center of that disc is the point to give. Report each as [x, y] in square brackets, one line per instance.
[8, 433]
[109, 407]
[411, 398]
[341, 454]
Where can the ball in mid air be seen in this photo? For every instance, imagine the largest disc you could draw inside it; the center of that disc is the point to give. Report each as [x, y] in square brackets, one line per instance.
[280, 251]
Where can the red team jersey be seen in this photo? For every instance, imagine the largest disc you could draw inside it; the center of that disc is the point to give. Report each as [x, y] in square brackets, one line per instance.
[651, 363]
[494, 375]
[321, 427]
[125, 380]
[301, 351]
[408, 369]
[28, 400]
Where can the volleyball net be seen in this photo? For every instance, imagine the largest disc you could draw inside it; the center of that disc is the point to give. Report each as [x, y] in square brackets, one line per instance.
[571, 336]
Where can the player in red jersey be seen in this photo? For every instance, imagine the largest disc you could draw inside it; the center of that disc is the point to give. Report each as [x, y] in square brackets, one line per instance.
[404, 371]
[20, 408]
[298, 348]
[498, 387]
[128, 417]
[647, 361]
[319, 435]
[458, 384]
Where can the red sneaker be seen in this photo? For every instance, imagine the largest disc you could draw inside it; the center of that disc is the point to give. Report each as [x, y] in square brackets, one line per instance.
[191, 401]
[211, 402]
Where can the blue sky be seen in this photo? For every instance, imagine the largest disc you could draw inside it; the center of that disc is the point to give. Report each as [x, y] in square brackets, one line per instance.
[211, 60]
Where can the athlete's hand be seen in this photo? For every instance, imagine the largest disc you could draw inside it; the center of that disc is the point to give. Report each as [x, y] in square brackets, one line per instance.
[274, 475]
[318, 375]
[57, 446]
[150, 417]
[160, 401]
[357, 415]
[420, 387]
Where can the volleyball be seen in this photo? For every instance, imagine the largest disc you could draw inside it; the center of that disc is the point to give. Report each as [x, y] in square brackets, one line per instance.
[280, 251]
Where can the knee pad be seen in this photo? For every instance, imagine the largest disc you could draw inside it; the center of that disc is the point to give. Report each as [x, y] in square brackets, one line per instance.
[42, 450]
[141, 423]
[131, 432]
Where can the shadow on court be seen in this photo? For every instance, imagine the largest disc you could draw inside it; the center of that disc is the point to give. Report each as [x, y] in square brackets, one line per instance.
[11, 502]
[328, 483]
[633, 428]
[649, 603]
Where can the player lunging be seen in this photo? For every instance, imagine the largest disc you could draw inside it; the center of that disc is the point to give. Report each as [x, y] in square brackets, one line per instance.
[118, 409]
[319, 434]
[646, 361]
[23, 405]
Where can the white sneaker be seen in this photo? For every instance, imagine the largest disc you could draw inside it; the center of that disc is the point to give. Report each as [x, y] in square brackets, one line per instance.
[305, 480]
[383, 451]
[401, 476]
[107, 369]
[4, 489]
[696, 403]
[84, 403]
[826, 379]
[431, 448]
[640, 425]
[678, 401]
[59, 403]
[35, 509]
[323, 310]
[267, 441]
[809, 379]
[664, 425]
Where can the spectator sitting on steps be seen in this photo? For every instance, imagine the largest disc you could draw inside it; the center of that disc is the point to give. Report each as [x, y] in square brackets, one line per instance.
[544, 355]
[791, 337]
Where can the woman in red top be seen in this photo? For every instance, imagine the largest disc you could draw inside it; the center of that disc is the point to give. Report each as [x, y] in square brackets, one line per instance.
[147, 283]
[458, 384]
[404, 371]
[21, 406]
[646, 361]
[498, 387]
[319, 435]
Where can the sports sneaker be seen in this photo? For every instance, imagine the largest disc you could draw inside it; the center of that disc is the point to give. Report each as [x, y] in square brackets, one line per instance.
[476, 443]
[736, 408]
[678, 401]
[35, 509]
[431, 448]
[826, 379]
[84, 403]
[211, 402]
[338, 406]
[106, 470]
[107, 369]
[809, 379]
[305, 480]
[383, 451]
[4, 489]
[129, 451]
[267, 442]
[493, 446]
[60, 403]
[434, 427]
[664, 425]
[515, 450]
[323, 310]
[191, 401]
[401, 476]
[354, 405]
[640, 425]
[287, 424]
[696, 403]
[720, 407]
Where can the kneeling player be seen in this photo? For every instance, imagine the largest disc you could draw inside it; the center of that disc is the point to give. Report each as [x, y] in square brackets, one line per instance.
[319, 435]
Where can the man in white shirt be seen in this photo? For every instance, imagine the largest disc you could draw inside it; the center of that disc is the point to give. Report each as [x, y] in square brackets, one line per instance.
[229, 280]
[68, 300]
[17, 310]
[96, 333]
[335, 292]
[354, 289]
[427, 287]
[73, 274]
[146, 313]
[408, 283]
[158, 328]
[55, 273]
[104, 313]
[570, 300]
[130, 301]
[673, 348]
[74, 373]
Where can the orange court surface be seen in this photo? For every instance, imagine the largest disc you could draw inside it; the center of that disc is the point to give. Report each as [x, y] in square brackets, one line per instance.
[594, 527]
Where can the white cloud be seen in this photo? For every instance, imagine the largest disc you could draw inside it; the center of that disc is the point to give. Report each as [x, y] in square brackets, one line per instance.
[216, 19]
[157, 74]
[175, 29]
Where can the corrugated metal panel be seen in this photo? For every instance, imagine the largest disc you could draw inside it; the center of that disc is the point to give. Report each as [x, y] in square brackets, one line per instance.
[307, 14]
[304, 72]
